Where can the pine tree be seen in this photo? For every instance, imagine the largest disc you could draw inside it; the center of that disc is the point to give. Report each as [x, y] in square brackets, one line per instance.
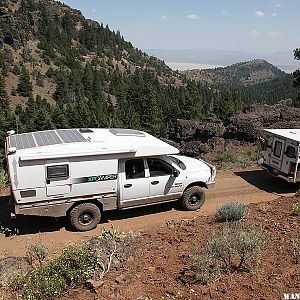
[296, 75]
[3, 95]
[24, 87]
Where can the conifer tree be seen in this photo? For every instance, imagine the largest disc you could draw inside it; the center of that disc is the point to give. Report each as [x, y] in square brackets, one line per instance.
[24, 87]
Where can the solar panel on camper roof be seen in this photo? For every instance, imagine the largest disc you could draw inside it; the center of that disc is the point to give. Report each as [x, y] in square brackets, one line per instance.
[22, 141]
[126, 132]
[45, 138]
[70, 135]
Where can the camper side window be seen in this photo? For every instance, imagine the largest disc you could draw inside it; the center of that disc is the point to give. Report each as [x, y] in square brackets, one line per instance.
[290, 152]
[57, 171]
[277, 149]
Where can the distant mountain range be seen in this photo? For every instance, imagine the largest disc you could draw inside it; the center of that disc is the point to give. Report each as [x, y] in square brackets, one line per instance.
[185, 59]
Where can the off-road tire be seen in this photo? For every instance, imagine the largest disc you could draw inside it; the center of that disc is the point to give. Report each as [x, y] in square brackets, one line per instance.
[85, 216]
[192, 198]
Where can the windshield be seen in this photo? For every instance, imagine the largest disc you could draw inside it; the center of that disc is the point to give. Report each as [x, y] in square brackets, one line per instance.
[177, 162]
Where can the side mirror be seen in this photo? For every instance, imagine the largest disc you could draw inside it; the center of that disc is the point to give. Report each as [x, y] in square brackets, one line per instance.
[175, 173]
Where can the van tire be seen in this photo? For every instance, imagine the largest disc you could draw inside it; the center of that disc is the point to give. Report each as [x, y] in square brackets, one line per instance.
[85, 216]
[192, 198]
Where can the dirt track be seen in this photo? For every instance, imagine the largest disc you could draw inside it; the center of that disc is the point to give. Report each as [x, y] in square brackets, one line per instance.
[248, 186]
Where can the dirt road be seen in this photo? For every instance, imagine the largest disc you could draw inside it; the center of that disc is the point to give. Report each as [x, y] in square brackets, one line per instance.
[245, 186]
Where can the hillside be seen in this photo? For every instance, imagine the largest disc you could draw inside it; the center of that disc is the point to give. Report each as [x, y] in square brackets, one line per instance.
[59, 70]
[249, 73]
[257, 81]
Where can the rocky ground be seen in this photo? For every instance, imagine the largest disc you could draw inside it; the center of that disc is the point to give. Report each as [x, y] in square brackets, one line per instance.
[155, 264]
[161, 255]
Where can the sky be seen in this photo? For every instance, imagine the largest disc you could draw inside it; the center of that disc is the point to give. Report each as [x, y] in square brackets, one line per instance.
[254, 25]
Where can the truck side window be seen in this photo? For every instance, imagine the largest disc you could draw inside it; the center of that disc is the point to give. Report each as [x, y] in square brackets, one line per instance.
[57, 171]
[158, 167]
[134, 168]
[290, 152]
[277, 149]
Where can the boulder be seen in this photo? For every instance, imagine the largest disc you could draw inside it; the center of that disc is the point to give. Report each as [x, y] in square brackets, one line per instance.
[193, 130]
[194, 148]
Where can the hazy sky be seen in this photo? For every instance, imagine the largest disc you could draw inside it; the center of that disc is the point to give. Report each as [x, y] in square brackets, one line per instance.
[252, 25]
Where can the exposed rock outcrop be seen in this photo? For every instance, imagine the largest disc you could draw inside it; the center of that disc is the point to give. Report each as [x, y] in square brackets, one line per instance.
[195, 137]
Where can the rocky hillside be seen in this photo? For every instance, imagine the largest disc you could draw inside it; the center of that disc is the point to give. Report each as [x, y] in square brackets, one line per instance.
[196, 138]
[45, 36]
[244, 74]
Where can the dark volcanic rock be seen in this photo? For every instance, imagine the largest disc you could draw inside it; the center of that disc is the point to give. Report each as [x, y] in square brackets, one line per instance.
[196, 137]
[189, 129]
[246, 126]
[208, 130]
[194, 148]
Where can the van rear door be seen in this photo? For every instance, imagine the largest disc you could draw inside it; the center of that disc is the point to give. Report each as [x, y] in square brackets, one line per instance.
[290, 159]
[277, 153]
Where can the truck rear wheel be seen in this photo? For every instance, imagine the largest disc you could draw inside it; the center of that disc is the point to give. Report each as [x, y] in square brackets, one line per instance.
[192, 198]
[85, 216]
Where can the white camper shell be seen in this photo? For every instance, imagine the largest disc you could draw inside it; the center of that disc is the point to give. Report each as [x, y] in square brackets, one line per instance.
[81, 173]
[281, 153]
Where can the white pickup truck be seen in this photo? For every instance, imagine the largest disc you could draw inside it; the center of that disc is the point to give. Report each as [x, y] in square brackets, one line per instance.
[80, 173]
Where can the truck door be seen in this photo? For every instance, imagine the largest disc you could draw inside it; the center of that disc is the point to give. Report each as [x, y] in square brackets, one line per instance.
[133, 184]
[163, 184]
[277, 153]
[58, 181]
[289, 162]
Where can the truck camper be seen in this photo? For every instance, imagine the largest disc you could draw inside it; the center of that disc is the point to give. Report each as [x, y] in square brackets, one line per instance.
[280, 153]
[81, 173]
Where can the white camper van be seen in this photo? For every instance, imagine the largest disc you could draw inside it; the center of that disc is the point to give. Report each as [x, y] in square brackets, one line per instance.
[80, 173]
[281, 153]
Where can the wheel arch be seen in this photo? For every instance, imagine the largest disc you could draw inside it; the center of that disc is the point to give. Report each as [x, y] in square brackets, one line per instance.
[197, 183]
[93, 201]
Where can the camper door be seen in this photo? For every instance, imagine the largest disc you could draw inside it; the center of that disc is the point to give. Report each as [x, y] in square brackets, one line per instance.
[290, 158]
[58, 182]
[277, 153]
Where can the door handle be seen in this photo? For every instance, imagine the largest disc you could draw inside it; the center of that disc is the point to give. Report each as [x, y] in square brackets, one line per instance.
[154, 182]
[128, 185]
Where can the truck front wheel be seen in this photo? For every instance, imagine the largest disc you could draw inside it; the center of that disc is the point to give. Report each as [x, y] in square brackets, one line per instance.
[85, 216]
[192, 198]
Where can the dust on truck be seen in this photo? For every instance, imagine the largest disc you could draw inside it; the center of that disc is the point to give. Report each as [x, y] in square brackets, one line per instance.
[81, 173]
[281, 153]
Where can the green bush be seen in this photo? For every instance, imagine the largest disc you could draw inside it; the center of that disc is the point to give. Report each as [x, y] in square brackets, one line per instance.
[36, 252]
[232, 211]
[205, 269]
[3, 179]
[296, 208]
[110, 234]
[74, 266]
[230, 160]
[229, 249]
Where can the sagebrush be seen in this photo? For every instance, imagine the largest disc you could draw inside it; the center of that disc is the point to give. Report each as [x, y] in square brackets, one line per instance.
[231, 248]
[75, 265]
[232, 211]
